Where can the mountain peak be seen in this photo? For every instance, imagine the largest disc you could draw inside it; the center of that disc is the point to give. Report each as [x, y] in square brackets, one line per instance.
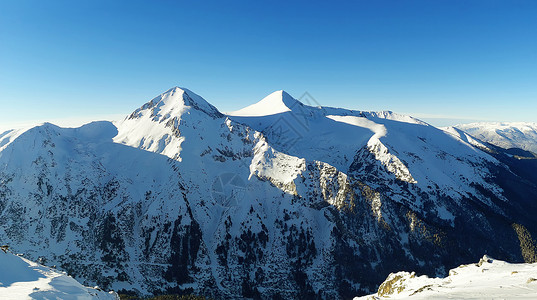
[192, 99]
[174, 102]
[275, 103]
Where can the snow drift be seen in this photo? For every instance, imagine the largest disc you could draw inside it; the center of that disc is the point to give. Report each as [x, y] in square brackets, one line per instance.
[23, 279]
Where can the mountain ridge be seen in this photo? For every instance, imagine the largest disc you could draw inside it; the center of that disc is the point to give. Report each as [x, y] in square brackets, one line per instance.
[186, 200]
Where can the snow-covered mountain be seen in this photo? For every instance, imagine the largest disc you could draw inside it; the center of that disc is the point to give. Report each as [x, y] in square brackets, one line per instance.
[23, 279]
[487, 279]
[506, 135]
[279, 199]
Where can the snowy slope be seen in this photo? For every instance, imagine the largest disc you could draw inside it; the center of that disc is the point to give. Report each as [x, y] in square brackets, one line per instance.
[488, 279]
[24, 279]
[506, 135]
[467, 138]
[411, 150]
[276, 200]
[9, 136]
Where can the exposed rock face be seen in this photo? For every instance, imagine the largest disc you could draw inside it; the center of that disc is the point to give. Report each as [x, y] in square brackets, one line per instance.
[527, 243]
[178, 198]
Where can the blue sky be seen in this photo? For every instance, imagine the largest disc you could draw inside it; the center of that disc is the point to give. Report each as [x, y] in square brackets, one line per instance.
[474, 60]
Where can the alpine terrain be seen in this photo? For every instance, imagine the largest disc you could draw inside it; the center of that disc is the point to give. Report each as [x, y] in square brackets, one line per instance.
[506, 135]
[276, 200]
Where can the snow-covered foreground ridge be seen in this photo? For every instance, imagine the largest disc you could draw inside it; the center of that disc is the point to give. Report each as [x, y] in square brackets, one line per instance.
[24, 279]
[280, 199]
[487, 279]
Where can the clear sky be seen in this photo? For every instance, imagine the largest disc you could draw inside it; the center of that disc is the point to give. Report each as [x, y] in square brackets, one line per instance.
[474, 60]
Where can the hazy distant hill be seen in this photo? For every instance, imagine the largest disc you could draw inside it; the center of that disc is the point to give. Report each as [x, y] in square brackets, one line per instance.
[506, 135]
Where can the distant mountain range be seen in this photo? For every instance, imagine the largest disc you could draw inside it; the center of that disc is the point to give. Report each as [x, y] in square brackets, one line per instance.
[277, 200]
[506, 135]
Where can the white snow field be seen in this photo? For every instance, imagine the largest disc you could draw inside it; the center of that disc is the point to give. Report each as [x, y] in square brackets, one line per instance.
[23, 279]
[488, 279]
[521, 135]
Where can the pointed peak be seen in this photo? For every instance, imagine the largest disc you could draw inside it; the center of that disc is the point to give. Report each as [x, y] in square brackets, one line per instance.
[284, 97]
[281, 94]
[175, 102]
[275, 103]
[196, 101]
